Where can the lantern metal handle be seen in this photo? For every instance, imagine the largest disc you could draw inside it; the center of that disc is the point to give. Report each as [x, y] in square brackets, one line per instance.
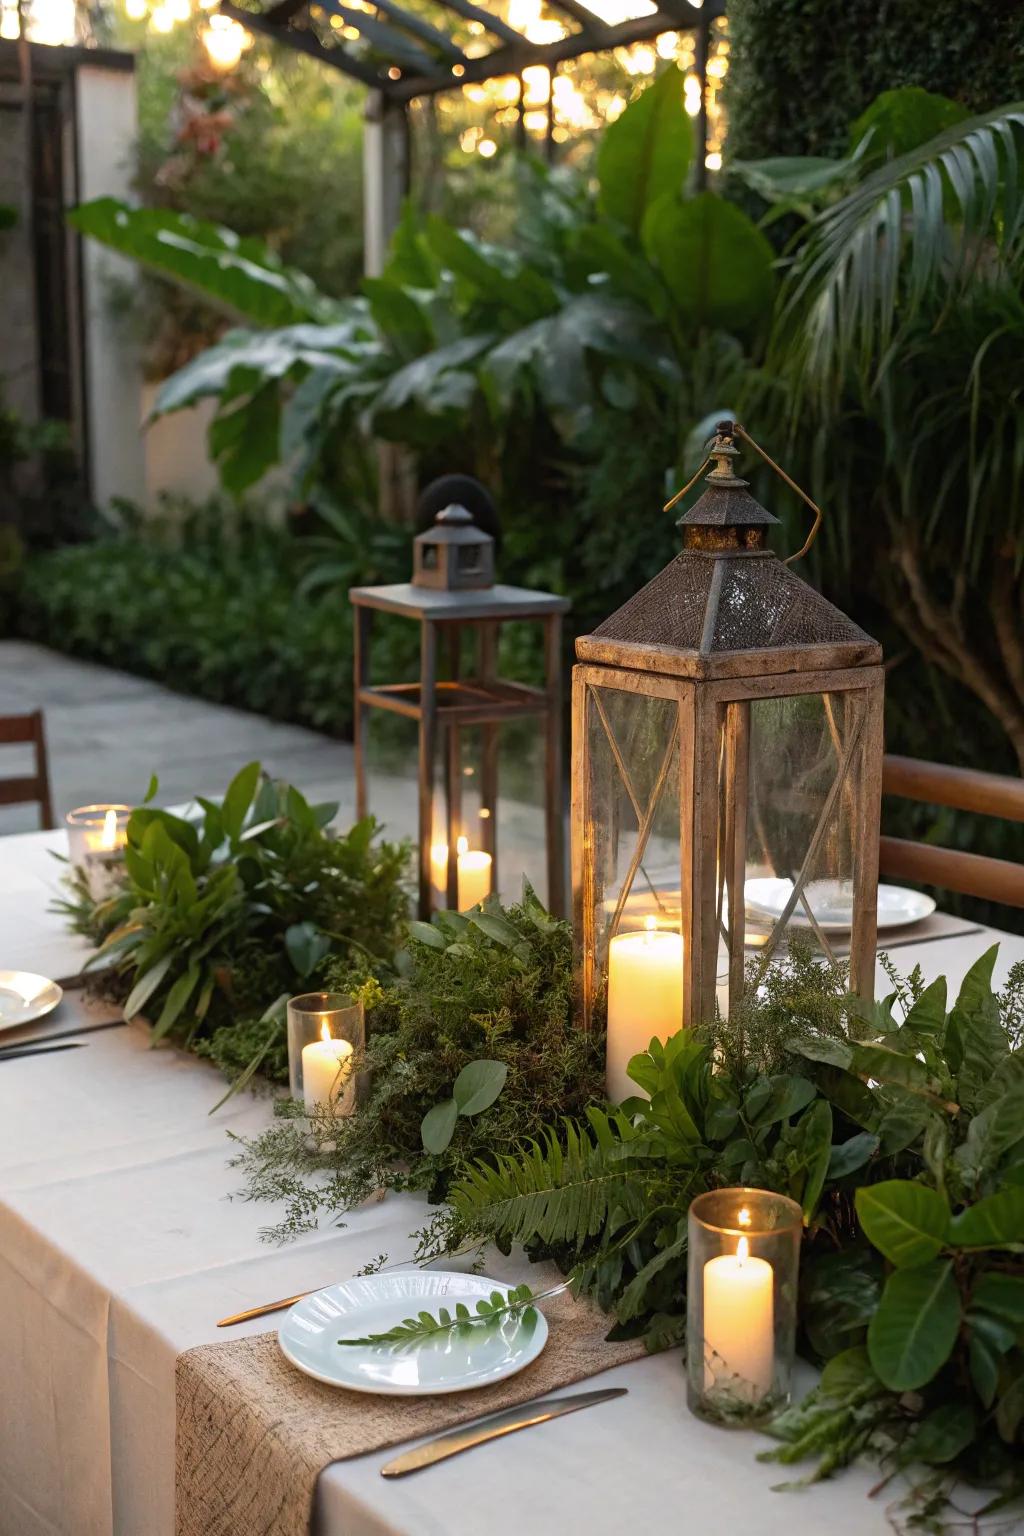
[742, 432]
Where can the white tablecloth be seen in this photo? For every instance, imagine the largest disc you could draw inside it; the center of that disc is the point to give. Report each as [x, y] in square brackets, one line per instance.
[120, 1247]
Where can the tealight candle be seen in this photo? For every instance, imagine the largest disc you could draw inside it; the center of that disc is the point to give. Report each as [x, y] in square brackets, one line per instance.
[743, 1262]
[327, 1081]
[645, 998]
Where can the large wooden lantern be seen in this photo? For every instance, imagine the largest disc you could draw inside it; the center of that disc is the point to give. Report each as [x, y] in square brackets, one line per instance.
[453, 597]
[727, 747]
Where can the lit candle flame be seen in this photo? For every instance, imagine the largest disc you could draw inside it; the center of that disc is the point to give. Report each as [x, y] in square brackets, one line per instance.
[742, 1249]
[108, 838]
[650, 923]
[462, 845]
[325, 1030]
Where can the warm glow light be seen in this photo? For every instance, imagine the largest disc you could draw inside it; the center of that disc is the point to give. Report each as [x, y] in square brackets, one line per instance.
[135, 9]
[487, 148]
[162, 20]
[325, 1030]
[713, 161]
[108, 837]
[458, 70]
[225, 41]
[744, 1217]
[394, 73]
[51, 22]
[742, 1249]
[462, 845]
[650, 923]
[536, 85]
[9, 21]
[181, 10]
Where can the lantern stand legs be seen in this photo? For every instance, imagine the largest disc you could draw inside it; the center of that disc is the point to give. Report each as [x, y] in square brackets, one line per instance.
[361, 671]
[427, 739]
[487, 641]
[453, 777]
[554, 823]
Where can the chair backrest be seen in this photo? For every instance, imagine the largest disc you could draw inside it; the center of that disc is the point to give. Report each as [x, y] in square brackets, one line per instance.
[962, 789]
[15, 729]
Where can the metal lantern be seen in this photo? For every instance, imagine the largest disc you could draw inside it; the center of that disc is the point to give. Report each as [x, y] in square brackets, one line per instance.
[451, 595]
[727, 751]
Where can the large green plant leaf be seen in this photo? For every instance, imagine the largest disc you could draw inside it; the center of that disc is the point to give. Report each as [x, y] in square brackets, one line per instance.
[912, 231]
[905, 1221]
[900, 120]
[490, 274]
[912, 1334]
[990, 1223]
[244, 437]
[715, 261]
[645, 154]
[239, 275]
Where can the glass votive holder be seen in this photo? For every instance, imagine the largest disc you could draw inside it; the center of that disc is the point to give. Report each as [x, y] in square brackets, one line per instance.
[97, 837]
[326, 1033]
[743, 1265]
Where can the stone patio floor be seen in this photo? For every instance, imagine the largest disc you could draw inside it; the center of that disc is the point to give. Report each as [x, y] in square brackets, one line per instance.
[108, 731]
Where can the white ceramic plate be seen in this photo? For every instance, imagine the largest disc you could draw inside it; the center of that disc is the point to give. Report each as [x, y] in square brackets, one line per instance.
[832, 904]
[453, 1362]
[25, 998]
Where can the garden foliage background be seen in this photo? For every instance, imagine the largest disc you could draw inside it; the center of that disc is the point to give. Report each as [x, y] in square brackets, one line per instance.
[573, 364]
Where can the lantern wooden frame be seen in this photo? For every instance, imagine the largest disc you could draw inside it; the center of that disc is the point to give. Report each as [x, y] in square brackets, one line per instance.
[442, 706]
[725, 583]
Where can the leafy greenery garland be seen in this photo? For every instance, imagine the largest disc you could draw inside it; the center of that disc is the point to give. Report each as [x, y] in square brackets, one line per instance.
[215, 920]
[471, 1050]
[898, 1126]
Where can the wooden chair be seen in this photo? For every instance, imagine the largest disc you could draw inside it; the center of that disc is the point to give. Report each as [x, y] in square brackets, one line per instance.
[29, 729]
[962, 789]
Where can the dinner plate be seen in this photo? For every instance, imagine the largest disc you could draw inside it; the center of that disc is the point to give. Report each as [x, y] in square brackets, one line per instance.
[469, 1357]
[831, 902]
[25, 998]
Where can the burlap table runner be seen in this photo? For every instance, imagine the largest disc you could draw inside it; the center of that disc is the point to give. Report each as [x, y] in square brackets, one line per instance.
[254, 1434]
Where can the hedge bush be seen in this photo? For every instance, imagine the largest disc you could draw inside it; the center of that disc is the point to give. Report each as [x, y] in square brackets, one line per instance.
[216, 615]
[802, 70]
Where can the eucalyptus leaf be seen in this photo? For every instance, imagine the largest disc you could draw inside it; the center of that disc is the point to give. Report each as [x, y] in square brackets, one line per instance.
[438, 1126]
[478, 1085]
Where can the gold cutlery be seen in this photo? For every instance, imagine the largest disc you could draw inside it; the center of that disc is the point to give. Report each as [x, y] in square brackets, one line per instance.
[268, 1306]
[522, 1417]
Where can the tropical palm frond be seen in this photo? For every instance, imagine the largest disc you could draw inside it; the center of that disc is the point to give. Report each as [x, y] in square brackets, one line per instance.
[553, 1192]
[920, 228]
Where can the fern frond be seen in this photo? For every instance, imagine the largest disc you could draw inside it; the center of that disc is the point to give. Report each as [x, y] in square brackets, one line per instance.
[552, 1192]
[921, 225]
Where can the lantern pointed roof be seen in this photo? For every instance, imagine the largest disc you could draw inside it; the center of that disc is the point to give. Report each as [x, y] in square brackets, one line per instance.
[726, 605]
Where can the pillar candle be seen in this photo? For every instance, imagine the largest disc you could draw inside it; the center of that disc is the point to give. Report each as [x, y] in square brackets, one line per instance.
[739, 1344]
[327, 1079]
[645, 998]
[474, 869]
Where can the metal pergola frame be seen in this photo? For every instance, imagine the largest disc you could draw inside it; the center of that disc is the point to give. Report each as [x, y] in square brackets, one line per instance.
[404, 56]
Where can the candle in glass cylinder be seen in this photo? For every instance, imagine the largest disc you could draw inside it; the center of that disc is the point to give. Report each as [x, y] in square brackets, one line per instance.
[739, 1338]
[327, 1080]
[645, 998]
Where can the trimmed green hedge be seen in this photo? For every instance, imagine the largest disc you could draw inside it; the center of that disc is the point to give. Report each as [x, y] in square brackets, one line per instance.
[221, 621]
[802, 70]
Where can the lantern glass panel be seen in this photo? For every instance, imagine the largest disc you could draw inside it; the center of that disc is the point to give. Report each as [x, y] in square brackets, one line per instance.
[790, 785]
[634, 827]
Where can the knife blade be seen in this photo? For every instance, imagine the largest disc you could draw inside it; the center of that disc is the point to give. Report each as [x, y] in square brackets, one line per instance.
[61, 1034]
[16, 1052]
[521, 1417]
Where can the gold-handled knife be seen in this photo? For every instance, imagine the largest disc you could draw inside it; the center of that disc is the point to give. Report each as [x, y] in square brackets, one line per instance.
[261, 1311]
[537, 1412]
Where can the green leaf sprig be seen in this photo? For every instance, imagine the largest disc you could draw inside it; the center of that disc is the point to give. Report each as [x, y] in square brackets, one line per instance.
[489, 1311]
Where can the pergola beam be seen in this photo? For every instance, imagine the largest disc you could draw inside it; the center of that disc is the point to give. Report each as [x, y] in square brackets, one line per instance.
[420, 28]
[515, 57]
[305, 42]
